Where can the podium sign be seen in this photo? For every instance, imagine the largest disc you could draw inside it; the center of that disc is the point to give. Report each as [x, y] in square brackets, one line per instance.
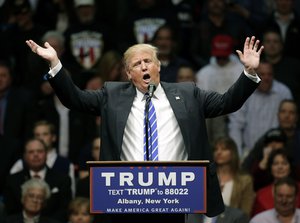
[148, 187]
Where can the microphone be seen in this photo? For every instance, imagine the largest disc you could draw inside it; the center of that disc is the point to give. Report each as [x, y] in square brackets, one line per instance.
[151, 89]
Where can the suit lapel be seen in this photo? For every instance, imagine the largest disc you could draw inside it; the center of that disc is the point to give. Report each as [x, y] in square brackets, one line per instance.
[177, 102]
[124, 104]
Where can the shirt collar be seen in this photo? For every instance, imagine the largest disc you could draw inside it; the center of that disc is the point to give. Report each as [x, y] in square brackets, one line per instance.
[156, 94]
[41, 173]
[30, 220]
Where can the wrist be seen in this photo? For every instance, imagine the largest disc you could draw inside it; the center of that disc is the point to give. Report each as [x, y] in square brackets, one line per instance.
[54, 62]
[250, 71]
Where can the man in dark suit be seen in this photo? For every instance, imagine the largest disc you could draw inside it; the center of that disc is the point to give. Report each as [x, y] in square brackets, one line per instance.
[181, 111]
[45, 131]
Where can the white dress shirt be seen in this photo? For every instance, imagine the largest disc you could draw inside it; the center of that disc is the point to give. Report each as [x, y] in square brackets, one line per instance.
[170, 141]
[41, 173]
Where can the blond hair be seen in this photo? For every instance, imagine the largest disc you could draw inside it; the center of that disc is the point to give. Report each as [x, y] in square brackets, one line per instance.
[137, 48]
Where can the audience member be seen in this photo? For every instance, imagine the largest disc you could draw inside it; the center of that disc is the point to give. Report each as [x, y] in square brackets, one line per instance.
[286, 69]
[257, 161]
[286, 191]
[145, 17]
[279, 166]
[166, 41]
[45, 131]
[6, 23]
[34, 196]
[86, 41]
[16, 108]
[185, 73]
[110, 66]
[254, 12]
[215, 19]
[79, 211]
[237, 187]
[259, 113]
[287, 118]
[55, 15]
[187, 13]
[286, 21]
[114, 12]
[219, 75]
[24, 27]
[35, 154]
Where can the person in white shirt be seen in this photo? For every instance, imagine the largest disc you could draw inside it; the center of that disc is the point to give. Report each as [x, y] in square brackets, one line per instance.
[259, 113]
[285, 211]
[221, 72]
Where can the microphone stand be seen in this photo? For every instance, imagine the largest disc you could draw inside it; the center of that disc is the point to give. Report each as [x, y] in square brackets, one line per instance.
[148, 99]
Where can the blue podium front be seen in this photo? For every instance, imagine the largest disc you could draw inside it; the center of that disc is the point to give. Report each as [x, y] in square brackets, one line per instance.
[148, 187]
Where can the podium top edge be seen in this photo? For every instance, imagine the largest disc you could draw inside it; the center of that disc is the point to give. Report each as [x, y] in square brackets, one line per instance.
[148, 163]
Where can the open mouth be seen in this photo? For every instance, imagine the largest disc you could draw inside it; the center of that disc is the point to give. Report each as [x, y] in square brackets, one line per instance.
[146, 77]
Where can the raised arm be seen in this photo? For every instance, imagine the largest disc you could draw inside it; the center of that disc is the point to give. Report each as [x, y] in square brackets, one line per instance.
[47, 52]
[68, 93]
[250, 56]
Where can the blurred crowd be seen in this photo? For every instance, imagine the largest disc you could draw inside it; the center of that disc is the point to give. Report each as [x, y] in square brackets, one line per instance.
[44, 146]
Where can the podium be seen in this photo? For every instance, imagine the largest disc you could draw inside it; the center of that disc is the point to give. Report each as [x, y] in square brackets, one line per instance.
[148, 187]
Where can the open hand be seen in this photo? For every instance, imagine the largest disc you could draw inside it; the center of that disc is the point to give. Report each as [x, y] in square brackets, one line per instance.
[47, 52]
[250, 56]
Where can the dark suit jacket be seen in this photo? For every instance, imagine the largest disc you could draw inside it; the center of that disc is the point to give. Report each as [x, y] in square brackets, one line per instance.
[57, 204]
[19, 114]
[113, 103]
